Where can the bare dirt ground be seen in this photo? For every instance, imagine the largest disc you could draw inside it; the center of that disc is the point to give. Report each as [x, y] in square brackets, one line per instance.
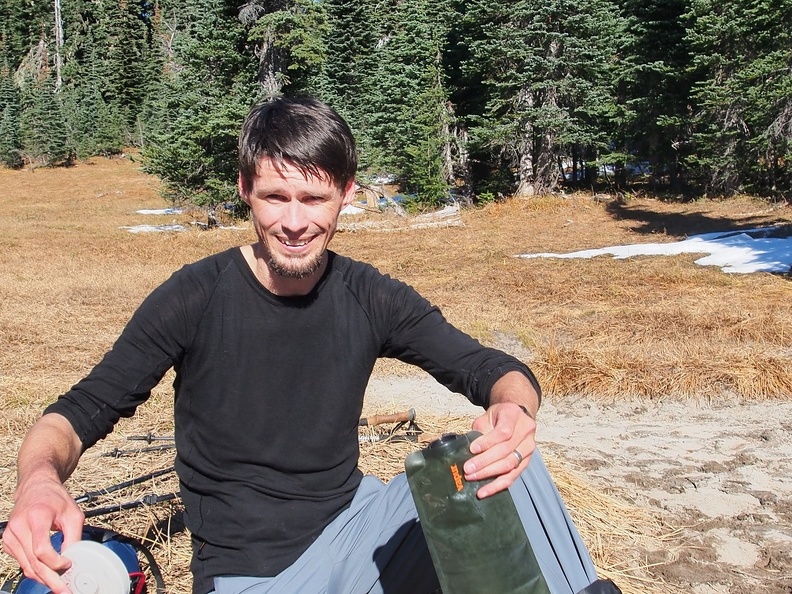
[718, 473]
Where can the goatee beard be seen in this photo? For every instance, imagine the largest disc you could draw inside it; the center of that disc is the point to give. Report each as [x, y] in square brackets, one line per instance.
[298, 272]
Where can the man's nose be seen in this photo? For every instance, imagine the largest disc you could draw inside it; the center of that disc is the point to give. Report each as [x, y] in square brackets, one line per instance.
[295, 217]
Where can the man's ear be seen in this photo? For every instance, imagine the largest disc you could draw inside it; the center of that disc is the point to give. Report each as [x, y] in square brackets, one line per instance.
[349, 193]
[243, 191]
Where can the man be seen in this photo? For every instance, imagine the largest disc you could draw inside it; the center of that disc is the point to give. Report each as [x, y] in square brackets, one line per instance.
[273, 345]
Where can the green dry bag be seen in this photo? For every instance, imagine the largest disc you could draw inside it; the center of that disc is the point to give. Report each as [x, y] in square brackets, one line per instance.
[478, 546]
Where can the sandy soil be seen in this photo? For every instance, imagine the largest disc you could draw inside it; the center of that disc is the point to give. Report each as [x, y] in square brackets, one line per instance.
[719, 472]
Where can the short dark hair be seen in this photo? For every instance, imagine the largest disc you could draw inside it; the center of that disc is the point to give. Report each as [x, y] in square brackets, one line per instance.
[299, 131]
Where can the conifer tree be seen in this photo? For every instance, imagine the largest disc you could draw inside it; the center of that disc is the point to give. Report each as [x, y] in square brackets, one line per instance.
[10, 144]
[548, 84]
[107, 51]
[655, 88]
[356, 29]
[210, 83]
[290, 37]
[97, 126]
[743, 52]
[410, 119]
[43, 128]
[22, 25]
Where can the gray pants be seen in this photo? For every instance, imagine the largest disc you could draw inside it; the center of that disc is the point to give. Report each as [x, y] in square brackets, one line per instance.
[376, 546]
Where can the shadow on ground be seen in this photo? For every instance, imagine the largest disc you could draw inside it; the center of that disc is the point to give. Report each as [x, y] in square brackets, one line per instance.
[687, 223]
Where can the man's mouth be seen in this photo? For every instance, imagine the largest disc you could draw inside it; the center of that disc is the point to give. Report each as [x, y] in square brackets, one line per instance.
[294, 243]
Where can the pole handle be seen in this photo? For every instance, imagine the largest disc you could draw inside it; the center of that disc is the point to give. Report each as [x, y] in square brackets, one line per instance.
[407, 416]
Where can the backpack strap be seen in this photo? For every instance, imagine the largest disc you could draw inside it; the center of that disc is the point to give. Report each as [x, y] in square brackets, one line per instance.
[154, 568]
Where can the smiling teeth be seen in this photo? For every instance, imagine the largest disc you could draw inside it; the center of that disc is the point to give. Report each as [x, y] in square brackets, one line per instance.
[295, 243]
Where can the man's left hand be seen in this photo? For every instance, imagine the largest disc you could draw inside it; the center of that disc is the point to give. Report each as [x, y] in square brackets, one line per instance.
[506, 429]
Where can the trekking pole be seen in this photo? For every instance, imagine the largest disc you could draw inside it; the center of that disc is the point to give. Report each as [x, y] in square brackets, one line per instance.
[390, 437]
[90, 496]
[150, 438]
[407, 416]
[118, 453]
[413, 432]
[146, 500]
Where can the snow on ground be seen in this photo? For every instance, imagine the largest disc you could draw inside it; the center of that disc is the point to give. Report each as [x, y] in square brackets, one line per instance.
[752, 250]
[159, 211]
[154, 228]
[351, 209]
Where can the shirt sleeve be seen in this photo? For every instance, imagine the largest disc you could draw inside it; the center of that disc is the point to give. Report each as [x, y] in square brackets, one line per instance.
[152, 342]
[416, 332]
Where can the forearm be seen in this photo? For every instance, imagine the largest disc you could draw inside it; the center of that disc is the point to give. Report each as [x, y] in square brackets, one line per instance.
[48, 456]
[51, 450]
[515, 387]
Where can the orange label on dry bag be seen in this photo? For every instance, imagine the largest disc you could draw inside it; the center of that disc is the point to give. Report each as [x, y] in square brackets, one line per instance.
[457, 477]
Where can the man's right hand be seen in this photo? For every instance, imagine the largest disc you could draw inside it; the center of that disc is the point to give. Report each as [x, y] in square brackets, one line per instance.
[48, 456]
[40, 508]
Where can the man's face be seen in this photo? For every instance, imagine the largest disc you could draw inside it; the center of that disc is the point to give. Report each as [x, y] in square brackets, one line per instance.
[295, 216]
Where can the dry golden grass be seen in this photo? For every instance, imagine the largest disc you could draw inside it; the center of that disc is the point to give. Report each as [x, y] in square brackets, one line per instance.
[659, 327]
[652, 327]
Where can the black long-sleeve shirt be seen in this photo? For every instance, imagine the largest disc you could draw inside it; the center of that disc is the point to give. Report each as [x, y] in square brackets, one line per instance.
[268, 394]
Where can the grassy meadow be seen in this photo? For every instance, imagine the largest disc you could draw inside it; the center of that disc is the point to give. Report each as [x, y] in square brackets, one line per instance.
[647, 327]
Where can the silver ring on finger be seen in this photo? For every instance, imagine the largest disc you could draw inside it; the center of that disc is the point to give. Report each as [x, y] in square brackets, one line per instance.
[519, 457]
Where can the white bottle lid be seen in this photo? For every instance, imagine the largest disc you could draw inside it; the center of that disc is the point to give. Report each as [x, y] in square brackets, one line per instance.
[95, 570]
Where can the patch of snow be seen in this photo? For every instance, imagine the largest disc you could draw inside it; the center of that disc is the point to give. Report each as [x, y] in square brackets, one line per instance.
[752, 250]
[159, 211]
[387, 178]
[351, 209]
[154, 228]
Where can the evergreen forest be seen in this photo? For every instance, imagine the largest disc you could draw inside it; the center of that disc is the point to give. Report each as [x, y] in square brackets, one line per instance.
[471, 99]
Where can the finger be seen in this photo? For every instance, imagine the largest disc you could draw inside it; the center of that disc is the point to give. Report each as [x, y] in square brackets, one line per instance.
[31, 566]
[48, 565]
[44, 558]
[502, 483]
[483, 424]
[516, 463]
[497, 460]
[501, 466]
[12, 547]
[14, 539]
[499, 435]
[72, 526]
[52, 579]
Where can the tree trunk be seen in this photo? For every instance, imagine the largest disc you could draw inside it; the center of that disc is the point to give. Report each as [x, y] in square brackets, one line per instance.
[545, 173]
[455, 156]
[268, 74]
[58, 45]
[463, 165]
[526, 187]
